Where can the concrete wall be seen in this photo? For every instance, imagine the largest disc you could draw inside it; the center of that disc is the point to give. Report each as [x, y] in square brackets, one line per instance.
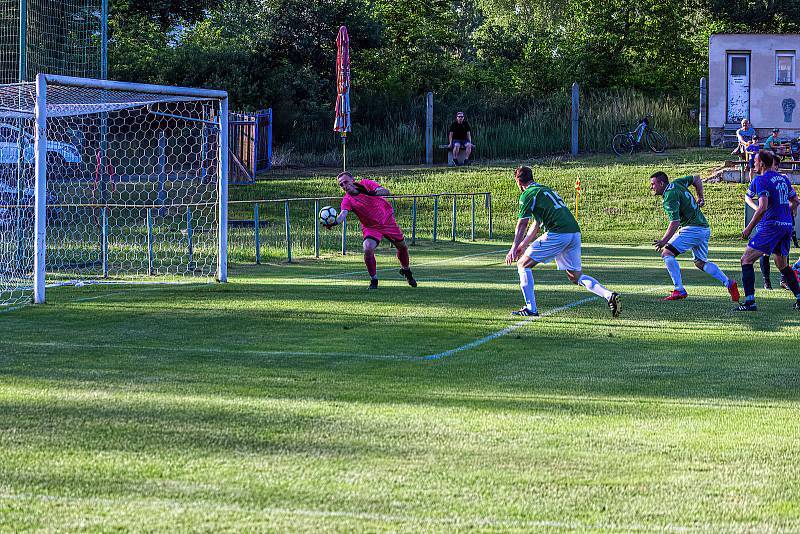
[766, 97]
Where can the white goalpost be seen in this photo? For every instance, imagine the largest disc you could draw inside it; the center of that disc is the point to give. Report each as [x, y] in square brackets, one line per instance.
[103, 180]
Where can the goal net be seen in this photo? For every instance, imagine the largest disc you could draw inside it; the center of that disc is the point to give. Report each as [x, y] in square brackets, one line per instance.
[109, 181]
[56, 36]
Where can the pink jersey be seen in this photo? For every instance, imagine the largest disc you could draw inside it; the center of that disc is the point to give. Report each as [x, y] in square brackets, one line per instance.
[373, 212]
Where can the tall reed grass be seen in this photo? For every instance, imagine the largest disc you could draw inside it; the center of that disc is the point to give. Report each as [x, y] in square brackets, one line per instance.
[501, 128]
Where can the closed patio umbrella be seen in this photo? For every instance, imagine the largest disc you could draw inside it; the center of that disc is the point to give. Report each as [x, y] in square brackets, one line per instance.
[341, 123]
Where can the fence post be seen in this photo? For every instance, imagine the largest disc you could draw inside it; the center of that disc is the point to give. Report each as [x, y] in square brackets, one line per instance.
[429, 129]
[344, 237]
[288, 232]
[472, 219]
[23, 41]
[435, 216]
[703, 114]
[489, 202]
[575, 118]
[453, 232]
[316, 228]
[257, 232]
[150, 270]
[162, 171]
[254, 166]
[414, 221]
[189, 244]
[105, 242]
[269, 138]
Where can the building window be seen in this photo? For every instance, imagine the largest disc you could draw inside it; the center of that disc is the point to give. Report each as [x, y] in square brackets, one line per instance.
[784, 67]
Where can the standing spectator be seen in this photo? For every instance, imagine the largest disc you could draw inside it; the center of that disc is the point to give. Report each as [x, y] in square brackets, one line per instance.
[460, 137]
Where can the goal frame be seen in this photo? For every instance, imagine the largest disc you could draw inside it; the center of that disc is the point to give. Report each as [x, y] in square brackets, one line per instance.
[40, 164]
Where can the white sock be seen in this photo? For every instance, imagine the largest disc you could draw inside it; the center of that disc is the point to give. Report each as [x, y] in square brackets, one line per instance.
[674, 272]
[594, 286]
[526, 284]
[716, 272]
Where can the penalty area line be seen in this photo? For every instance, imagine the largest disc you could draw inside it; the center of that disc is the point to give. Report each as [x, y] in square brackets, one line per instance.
[516, 326]
[59, 345]
[507, 330]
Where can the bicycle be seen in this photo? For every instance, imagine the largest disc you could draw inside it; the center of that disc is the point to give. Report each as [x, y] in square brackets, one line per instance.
[642, 136]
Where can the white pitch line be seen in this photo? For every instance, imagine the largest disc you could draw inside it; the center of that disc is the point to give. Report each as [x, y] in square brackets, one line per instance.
[204, 350]
[103, 295]
[13, 308]
[267, 353]
[507, 330]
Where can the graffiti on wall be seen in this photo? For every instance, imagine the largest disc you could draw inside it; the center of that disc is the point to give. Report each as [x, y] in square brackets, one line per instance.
[788, 106]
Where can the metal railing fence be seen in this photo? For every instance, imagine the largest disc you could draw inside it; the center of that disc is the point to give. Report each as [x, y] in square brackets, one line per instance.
[284, 229]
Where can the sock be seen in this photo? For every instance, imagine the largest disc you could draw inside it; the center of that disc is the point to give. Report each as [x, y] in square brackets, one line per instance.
[749, 282]
[716, 272]
[594, 286]
[763, 262]
[526, 284]
[372, 267]
[674, 272]
[402, 255]
[791, 281]
[796, 265]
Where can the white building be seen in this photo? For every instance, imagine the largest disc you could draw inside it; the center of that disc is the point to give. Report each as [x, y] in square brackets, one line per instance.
[753, 76]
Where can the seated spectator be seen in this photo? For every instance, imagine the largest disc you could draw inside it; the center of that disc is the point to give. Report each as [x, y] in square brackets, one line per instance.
[774, 143]
[745, 136]
[460, 137]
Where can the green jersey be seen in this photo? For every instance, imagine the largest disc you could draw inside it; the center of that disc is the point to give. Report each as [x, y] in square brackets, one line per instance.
[680, 205]
[544, 205]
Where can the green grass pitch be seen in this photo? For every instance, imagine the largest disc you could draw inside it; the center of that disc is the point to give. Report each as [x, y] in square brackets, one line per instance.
[291, 399]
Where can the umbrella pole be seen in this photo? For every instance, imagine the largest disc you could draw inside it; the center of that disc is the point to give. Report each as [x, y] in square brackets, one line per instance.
[344, 153]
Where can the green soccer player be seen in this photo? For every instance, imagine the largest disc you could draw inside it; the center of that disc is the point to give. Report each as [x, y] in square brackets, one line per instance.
[683, 212]
[561, 241]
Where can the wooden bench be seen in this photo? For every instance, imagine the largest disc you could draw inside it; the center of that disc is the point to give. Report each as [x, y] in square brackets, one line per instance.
[789, 164]
[462, 155]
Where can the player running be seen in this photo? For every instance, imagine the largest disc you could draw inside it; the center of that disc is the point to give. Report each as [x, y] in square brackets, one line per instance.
[561, 240]
[364, 198]
[683, 212]
[772, 196]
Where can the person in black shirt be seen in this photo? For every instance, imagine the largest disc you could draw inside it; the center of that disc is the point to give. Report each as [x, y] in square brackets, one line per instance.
[460, 137]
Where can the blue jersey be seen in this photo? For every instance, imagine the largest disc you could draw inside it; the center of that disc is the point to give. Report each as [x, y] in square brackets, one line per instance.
[778, 190]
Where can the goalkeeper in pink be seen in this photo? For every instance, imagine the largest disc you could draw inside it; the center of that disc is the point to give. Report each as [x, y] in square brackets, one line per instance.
[365, 199]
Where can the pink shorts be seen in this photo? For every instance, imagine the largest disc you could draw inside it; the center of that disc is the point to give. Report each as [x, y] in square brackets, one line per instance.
[392, 233]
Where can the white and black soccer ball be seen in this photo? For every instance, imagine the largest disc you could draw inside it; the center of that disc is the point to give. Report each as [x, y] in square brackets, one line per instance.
[327, 215]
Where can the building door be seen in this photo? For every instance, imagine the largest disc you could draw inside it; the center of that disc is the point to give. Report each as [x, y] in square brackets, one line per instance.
[738, 107]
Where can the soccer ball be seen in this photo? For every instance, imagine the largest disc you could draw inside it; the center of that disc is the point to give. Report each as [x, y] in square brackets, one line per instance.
[327, 215]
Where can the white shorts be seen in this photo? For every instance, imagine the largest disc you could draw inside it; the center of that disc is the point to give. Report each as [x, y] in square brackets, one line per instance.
[694, 238]
[565, 248]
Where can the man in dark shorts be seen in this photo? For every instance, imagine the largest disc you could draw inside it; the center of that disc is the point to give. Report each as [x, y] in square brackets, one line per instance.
[776, 201]
[460, 137]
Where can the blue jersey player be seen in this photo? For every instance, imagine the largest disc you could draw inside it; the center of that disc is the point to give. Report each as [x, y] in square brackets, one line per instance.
[775, 200]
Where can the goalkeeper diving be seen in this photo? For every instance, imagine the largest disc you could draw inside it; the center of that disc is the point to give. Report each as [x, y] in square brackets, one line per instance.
[365, 199]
